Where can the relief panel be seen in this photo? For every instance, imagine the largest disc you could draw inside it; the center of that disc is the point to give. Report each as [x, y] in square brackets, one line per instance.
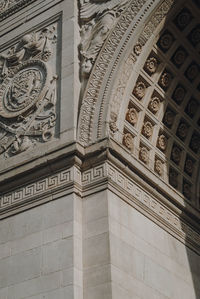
[28, 91]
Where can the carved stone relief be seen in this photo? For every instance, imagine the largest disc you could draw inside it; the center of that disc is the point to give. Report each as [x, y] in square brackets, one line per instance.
[28, 92]
[97, 17]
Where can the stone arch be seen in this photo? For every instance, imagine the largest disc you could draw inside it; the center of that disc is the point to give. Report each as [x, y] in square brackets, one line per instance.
[110, 86]
[137, 23]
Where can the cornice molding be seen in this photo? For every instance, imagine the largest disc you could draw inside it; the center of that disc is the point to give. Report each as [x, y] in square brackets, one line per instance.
[108, 176]
[9, 7]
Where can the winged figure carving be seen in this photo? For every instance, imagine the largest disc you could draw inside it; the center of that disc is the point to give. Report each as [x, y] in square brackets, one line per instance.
[97, 18]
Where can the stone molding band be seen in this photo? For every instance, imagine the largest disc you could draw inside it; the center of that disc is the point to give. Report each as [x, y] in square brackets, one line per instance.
[7, 8]
[85, 182]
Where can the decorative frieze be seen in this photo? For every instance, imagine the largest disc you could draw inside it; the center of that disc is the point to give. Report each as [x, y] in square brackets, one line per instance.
[88, 180]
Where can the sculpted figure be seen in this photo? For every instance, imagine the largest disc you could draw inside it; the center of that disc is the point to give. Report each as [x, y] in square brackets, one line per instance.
[97, 17]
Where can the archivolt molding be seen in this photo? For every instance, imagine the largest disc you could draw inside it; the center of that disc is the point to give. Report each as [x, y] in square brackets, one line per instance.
[8, 7]
[89, 180]
[107, 61]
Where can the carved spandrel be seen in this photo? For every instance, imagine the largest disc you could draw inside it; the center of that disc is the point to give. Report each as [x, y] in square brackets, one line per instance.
[28, 92]
[97, 17]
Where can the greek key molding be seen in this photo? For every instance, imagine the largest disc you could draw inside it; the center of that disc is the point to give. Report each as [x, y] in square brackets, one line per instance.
[89, 179]
[39, 188]
[9, 7]
[153, 206]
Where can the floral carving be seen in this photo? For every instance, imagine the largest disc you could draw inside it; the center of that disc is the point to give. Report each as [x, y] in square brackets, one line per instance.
[176, 154]
[187, 190]
[166, 41]
[162, 142]
[139, 90]
[132, 116]
[147, 129]
[179, 94]
[154, 104]
[195, 142]
[128, 141]
[182, 130]
[151, 65]
[144, 154]
[169, 118]
[137, 49]
[165, 80]
[27, 92]
[189, 166]
[173, 178]
[192, 72]
[158, 166]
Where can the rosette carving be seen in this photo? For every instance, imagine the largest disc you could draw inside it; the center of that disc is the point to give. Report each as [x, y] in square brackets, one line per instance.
[173, 178]
[154, 104]
[139, 90]
[132, 116]
[158, 166]
[176, 154]
[128, 141]
[151, 65]
[187, 190]
[27, 92]
[144, 154]
[147, 129]
[162, 142]
[189, 166]
[165, 80]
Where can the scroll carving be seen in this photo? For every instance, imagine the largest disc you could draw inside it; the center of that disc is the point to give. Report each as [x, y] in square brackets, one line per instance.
[28, 92]
[97, 17]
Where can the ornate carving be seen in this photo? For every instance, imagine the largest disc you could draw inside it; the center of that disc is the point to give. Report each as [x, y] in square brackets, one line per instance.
[179, 94]
[144, 154]
[107, 52]
[169, 118]
[195, 142]
[183, 18]
[154, 104]
[96, 20]
[132, 116]
[182, 130]
[173, 178]
[151, 65]
[176, 154]
[194, 36]
[189, 166]
[113, 124]
[165, 80]
[27, 92]
[187, 190]
[139, 90]
[179, 57]
[192, 72]
[128, 141]
[147, 129]
[166, 40]
[162, 142]
[158, 166]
